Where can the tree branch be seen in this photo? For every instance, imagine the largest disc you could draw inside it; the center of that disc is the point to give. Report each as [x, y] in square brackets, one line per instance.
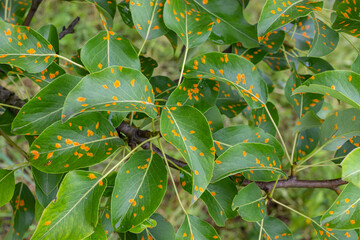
[136, 136]
[69, 29]
[34, 7]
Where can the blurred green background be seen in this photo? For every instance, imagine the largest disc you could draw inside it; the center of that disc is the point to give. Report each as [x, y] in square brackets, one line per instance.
[312, 202]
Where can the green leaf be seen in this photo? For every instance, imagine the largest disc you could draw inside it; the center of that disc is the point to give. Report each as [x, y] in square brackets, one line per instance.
[218, 196]
[229, 102]
[147, 65]
[250, 203]
[124, 10]
[6, 119]
[233, 69]
[187, 129]
[344, 212]
[338, 128]
[173, 39]
[262, 119]
[325, 233]
[325, 39]
[162, 231]
[346, 148]
[230, 24]
[356, 65]
[278, 13]
[195, 228]
[7, 186]
[199, 93]
[274, 228]
[277, 61]
[15, 11]
[228, 137]
[74, 144]
[50, 33]
[309, 120]
[148, 18]
[47, 182]
[45, 107]
[307, 141]
[23, 204]
[43, 198]
[106, 219]
[139, 189]
[108, 49]
[114, 89]
[214, 119]
[74, 214]
[99, 233]
[163, 86]
[350, 167]
[23, 47]
[255, 161]
[148, 223]
[192, 25]
[78, 70]
[314, 64]
[343, 85]
[303, 102]
[304, 32]
[347, 18]
[107, 9]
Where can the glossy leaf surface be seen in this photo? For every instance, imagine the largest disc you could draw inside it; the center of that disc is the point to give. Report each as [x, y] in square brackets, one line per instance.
[47, 182]
[326, 233]
[108, 49]
[351, 167]
[274, 228]
[45, 107]
[195, 228]
[255, 161]
[193, 140]
[190, 24]
[139, 189]
[114, 89]
[7, 186]
[74, 144]
[233, 69]
[347, 18]
[24, 48]
[250, 203]
[74, 214]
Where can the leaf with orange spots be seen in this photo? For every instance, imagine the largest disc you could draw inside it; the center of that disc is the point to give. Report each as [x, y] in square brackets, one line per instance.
[7, 186]
[139, 189]
[162, 86]
[277, 61]
[230, 136]
[255, 161]
[343, 85]
[148, 18]
[214, 118]
[195, 228]
[217, 197]
[190, 22]
[274, 228]
[15, 12]
[344, 213]
[346, 148]
[351, 167]
[307, 141]
[314, 64]
[107, 8]
[325, 39]
[228, 101]
[339, 127]
[276, 13]
[78, 70]
[187, 129]
[250, 203]
[326, 233]
[113, 89]
[23, 205]
[199, 93]
[230, 24]
[106, 215]
[74, 214]
[261, 118]
[124, 10]
[147, 65]
[233, 69]
[302, 30]
[23, 47]
[108, 49]
[302, 102]
[45, 107]
[75, 144]
[51, 34]
[347, 18]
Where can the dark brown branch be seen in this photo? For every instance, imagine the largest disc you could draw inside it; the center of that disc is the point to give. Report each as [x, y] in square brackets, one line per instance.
[8, 97]
[34, 7]
[69, 29]
[136, 136]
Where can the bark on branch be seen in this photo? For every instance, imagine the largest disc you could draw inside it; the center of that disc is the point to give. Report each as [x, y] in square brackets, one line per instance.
[69, 29]
[34, 7]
